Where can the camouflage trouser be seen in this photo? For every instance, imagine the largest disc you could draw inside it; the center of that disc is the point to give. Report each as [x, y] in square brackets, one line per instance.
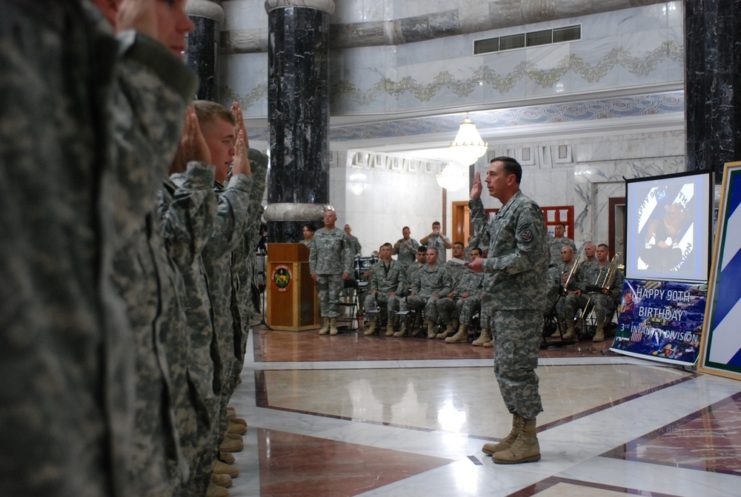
[485, 319]
[417, 302]
[329, 287]
[517, 335]
[467, 308]
[447, 309]
[603, 305]
[385, 302]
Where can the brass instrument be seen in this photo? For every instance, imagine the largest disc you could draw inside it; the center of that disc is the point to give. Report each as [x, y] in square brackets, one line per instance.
[602, 282]
[572, 272]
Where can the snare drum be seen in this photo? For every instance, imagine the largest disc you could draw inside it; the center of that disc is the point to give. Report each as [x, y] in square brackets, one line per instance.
[363, 265]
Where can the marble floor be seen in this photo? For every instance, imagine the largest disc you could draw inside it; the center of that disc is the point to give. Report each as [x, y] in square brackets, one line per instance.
[347, 415]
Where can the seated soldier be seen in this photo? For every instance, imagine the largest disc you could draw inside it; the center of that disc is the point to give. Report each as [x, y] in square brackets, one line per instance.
[556, 242]
[599, 284]
[426, 290]
[561, 281]
[410, 275]
[467, 301]
[385, 288]
[446, 306]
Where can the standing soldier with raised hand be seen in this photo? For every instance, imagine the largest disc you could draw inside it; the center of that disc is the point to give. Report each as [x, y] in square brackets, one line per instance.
[517, 264]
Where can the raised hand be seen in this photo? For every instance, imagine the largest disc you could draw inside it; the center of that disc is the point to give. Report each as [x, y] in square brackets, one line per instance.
[192, 145]
[236, 110]
[476, 187]
[241, 164]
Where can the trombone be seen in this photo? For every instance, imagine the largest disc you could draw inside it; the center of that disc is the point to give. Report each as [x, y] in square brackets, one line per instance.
[601, 283]
[572, 272]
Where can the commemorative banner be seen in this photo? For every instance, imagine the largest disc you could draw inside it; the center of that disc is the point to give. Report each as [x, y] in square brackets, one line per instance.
[661, 320]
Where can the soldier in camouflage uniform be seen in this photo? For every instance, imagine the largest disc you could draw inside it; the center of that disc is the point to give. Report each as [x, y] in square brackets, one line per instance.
[228, 148]
[589, 249]
[410, 276]
[330, 262]
[141, 272]
[190, 215]
[561, 276]
[517, 262]
[244, 259]
[405, 248]
[467, 299]
[485, 338]
[244, 263]
[437, 240]
[386, 288]
[595, 287]
[65, 358]
[354, 242]
[425, 290]
[84, 345]
[556, 242]
[446, 304]
[308, 233]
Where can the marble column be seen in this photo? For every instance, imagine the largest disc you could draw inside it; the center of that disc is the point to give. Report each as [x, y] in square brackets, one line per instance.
[202, 51]
[298, 114]
[713, 83]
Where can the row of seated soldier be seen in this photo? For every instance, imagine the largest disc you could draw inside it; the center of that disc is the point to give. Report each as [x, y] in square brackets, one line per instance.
[443, 301]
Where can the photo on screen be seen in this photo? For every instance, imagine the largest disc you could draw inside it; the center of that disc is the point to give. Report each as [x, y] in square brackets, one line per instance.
[668, 227]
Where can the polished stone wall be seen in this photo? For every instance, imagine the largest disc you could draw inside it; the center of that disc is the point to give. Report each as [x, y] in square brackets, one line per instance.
[713, 83]
[622, 50]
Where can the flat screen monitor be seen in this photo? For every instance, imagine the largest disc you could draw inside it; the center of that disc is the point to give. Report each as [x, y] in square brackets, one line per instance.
[668, 227]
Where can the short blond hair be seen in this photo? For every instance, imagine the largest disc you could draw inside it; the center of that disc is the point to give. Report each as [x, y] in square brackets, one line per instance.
[207, 112]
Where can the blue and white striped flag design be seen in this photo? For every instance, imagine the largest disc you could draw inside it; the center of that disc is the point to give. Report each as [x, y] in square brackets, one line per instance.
[725, 327]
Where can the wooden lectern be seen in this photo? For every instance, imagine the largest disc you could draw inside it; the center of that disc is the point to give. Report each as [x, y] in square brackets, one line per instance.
[292, 302]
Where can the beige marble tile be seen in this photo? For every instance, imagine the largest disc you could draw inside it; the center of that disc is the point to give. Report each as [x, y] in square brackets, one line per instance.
[571, 490]
[464, 400]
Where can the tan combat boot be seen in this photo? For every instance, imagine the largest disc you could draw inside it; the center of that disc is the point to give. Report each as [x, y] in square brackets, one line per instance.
[231, 445]
[371, 329]
[216, 491]
[449, 330]
[483, 338]
[325, 326]
[390, 328]
[506, 442]
[431, 330]
[403, 331]
[525, 448]
[460, 337]
[226, 457]
[221, 468]
[599, 335]
[333, 326]
[570, 332]
[236, 428]
[556, 334]
[221, 480]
